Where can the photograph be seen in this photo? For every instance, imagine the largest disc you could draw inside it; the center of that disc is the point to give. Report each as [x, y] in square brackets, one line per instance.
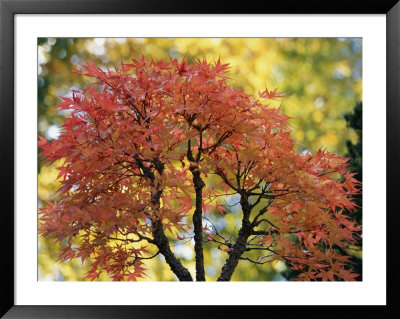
[164, 159]
[199, 159]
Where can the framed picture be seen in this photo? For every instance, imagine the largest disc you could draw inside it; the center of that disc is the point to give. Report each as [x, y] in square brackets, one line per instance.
[332, 60]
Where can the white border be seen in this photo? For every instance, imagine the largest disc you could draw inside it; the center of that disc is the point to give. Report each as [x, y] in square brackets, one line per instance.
[371, 291]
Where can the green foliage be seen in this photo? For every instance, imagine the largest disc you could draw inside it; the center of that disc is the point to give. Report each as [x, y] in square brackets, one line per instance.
[354, 120]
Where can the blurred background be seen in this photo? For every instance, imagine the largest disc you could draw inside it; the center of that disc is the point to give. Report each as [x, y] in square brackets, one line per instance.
[321, 76]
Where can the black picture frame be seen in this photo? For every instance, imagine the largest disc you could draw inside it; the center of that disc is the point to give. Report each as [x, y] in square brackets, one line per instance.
[8, 10]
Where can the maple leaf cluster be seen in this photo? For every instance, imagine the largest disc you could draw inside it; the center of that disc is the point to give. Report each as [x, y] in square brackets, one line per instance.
[137, 148]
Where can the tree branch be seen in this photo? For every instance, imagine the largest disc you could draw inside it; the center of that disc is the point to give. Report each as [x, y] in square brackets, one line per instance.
[225, 179]
[219, 142]
[255, 221]
[258, 261]
[264, 232]
[240, 245]
[161, 241]
[197, 215]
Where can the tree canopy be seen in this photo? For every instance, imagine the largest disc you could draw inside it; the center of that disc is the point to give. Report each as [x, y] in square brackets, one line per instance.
[151, 147]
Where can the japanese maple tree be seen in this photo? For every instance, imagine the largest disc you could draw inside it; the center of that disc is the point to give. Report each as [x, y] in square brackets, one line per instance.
[137, 150]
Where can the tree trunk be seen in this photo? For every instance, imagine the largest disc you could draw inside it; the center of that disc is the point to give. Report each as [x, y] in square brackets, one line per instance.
[198, 224]
[240, 246]
[161, 241]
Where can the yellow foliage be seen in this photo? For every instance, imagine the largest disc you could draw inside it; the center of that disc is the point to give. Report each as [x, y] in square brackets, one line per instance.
[47, 183]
